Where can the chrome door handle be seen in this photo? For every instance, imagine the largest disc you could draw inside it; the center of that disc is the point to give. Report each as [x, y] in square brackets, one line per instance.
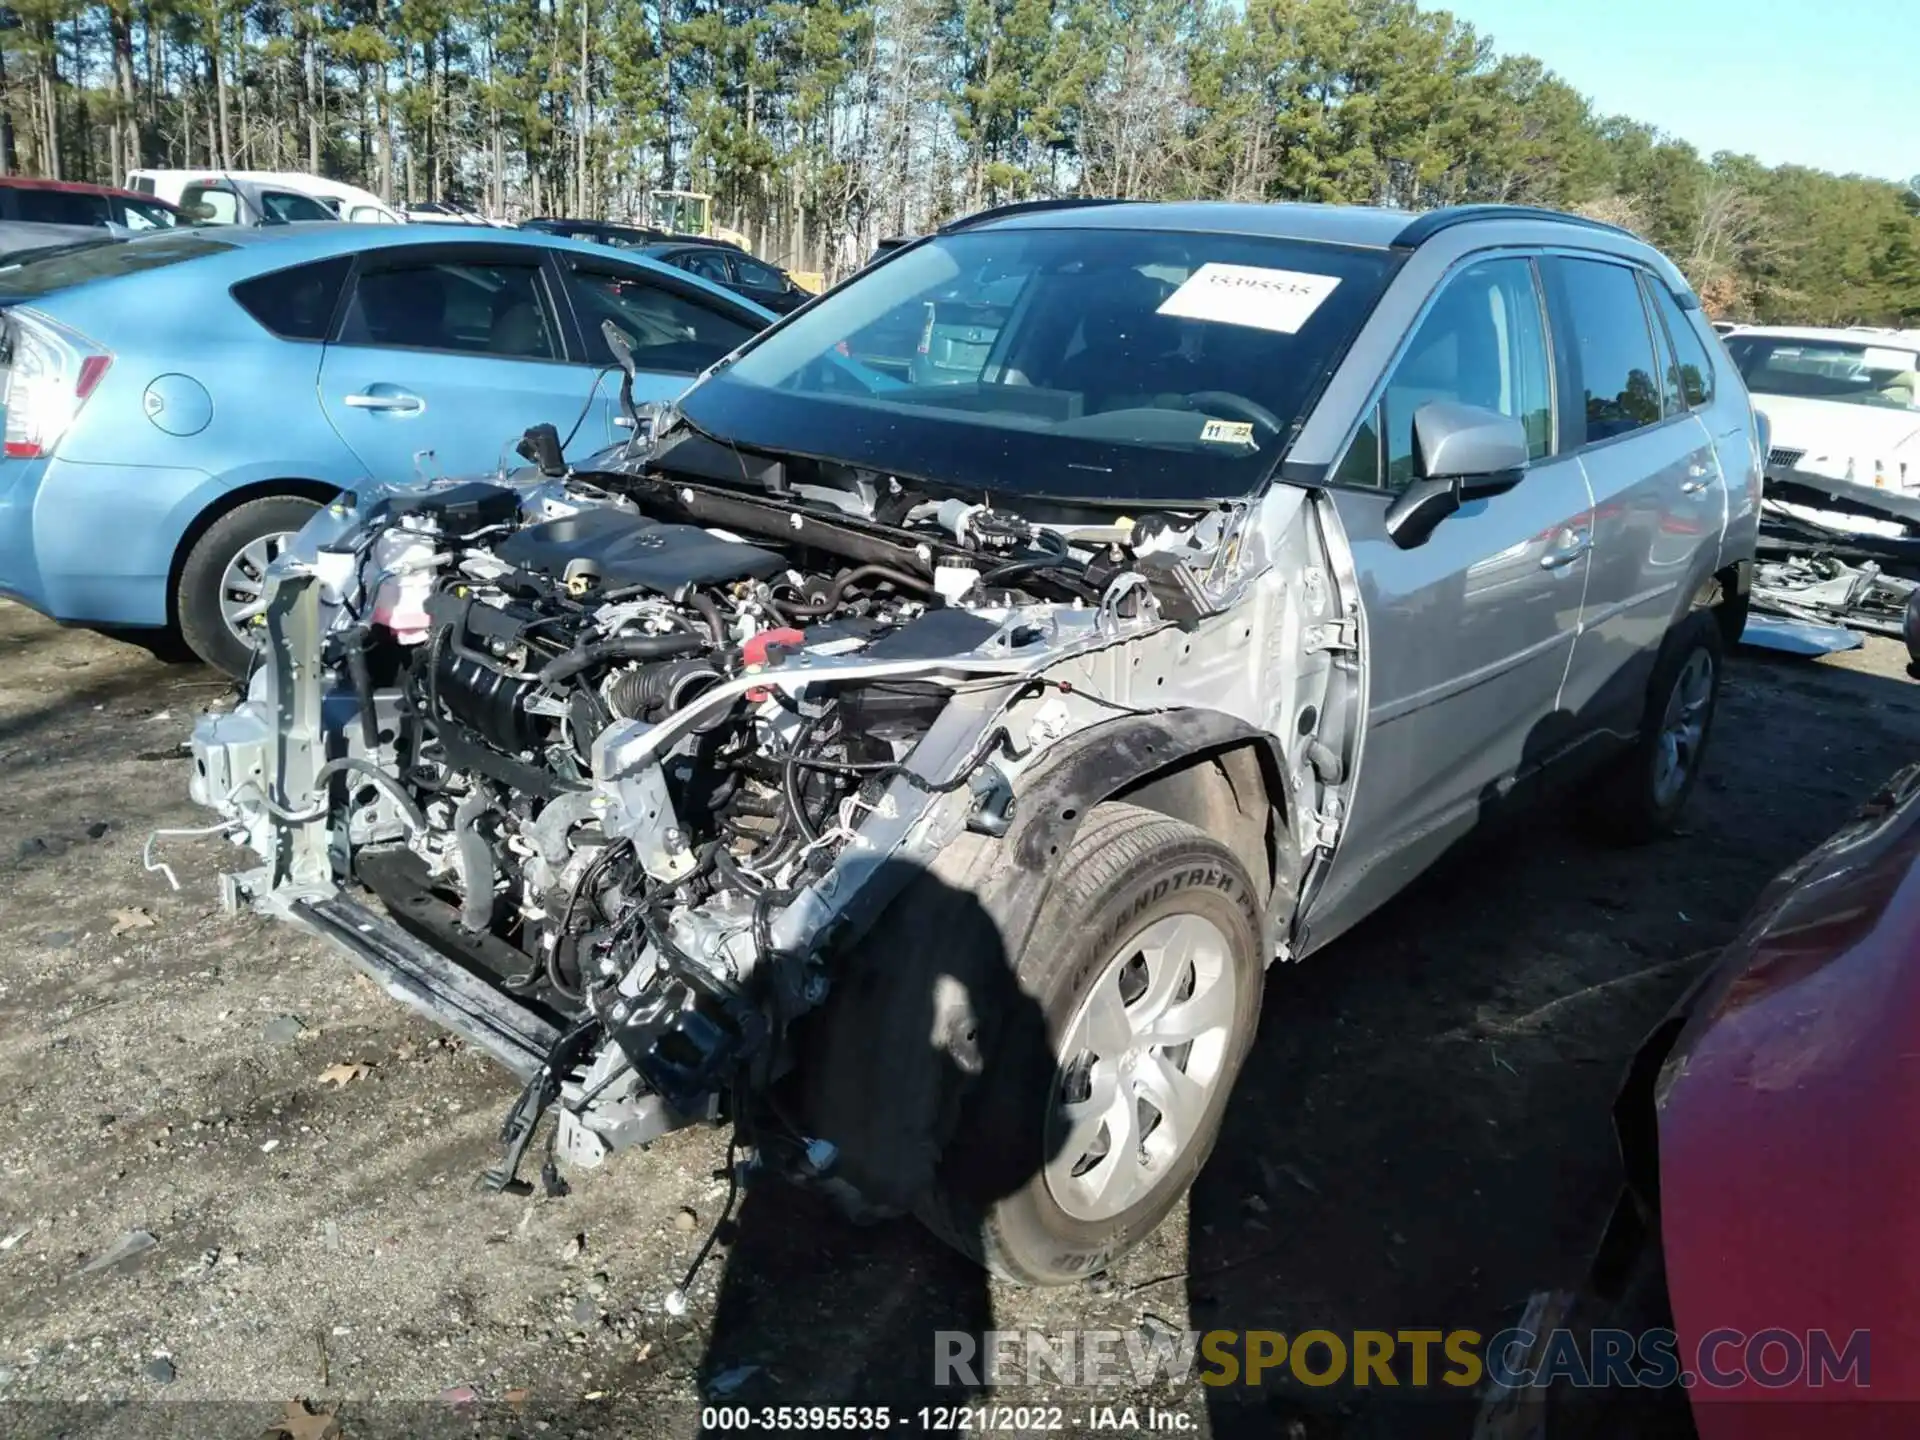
[1698, 478]
[398, 404]
[1572, 545]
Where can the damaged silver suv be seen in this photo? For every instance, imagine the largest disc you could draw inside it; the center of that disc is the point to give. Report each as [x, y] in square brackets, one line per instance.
[913, 747]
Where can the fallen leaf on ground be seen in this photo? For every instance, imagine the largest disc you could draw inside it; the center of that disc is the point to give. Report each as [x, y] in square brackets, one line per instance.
[517, 1397]
[134, 919]
[300, 1423]
[342, 1074]
[130, 1244]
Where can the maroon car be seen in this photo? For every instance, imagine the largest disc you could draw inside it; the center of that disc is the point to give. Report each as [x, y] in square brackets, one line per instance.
[1771, 1129]
[24, 200]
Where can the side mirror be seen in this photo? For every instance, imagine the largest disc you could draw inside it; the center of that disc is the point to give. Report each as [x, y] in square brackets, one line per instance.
[1461, 453]
[540, 445]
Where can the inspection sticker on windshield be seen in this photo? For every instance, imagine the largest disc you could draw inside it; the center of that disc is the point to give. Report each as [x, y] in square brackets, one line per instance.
[1227, 432]
[1281, 300]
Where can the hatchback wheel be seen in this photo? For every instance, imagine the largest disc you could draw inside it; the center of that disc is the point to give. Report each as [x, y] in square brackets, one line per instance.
[1145, 961]
[223, 582]
[1643, 794]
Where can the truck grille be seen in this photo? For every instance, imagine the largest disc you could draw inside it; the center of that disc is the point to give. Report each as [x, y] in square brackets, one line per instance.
[1781, 458]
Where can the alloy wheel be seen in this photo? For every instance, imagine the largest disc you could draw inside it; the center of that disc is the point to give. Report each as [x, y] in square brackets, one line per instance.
[243, 585]
[1683, 728]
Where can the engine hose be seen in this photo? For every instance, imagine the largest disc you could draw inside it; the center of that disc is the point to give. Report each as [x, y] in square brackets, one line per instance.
[660, 687]
[415, 817]
[710, 613]
[620, 647]
[363, 688]
[477, 874]
[790, 778]
[845, 581]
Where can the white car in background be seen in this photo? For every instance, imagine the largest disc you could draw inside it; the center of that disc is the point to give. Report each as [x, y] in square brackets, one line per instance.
[1842, 404]
[349, 202]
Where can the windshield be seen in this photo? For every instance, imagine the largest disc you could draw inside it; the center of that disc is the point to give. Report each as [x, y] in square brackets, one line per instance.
[1081, 362]
[1852, 373]
[48, 271]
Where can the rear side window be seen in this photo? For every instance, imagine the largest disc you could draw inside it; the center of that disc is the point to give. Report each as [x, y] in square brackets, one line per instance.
[62, 207]
[473, 307]
[671, 334]
[210, 205]
[1695, 366]
[1606, 336]
[760, 277]
[297, 303]
[1482, 342]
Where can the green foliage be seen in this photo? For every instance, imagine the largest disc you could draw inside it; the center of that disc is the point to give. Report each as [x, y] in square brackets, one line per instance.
[819, 125]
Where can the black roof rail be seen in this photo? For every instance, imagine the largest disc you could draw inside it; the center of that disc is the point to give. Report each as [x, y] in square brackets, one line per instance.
[1422, 228]
[1029, 207]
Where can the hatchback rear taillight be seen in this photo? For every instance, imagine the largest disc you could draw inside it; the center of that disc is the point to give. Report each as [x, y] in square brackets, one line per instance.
[47, 371]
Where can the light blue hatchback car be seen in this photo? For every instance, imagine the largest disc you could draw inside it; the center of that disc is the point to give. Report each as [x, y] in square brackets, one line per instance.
[176, 405]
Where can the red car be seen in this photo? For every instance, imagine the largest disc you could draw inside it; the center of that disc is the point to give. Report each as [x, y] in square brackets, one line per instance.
[70, 202]
[1760, 1279]
[1769, 1128]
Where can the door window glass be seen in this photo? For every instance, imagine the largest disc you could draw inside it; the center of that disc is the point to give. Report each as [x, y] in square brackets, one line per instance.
[1672, 398]
[1690, 352]
[671, 333]
[468, 306]
[707, 264]
[282, 207]
[63, 207]
[1606, 331]
[1482, 343]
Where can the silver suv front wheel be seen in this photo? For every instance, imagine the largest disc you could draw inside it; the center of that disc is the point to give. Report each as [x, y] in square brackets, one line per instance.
[1145, 962]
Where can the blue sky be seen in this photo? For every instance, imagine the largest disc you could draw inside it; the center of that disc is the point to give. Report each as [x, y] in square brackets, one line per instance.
[1830, 83]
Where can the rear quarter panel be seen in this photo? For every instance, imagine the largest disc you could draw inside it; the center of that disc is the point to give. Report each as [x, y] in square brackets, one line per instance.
[113, 506]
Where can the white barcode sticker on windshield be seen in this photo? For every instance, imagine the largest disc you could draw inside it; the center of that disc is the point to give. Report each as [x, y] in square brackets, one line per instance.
[1280, 300]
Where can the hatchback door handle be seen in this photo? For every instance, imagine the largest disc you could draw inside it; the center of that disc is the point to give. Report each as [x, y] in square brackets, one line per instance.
[1698, 478]
[1569, 547]
[397, 403]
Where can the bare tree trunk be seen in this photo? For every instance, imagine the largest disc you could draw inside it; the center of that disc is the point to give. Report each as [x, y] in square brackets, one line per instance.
[364, 130]
[413, 150]
[310, 69]
[385, 107]
[580, 123]
[124, 134]
[244, 143]
[214, 59]
[50, 111]
[8, 159]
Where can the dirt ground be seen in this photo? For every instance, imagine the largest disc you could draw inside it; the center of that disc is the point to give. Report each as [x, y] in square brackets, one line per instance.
[1421, 1137]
